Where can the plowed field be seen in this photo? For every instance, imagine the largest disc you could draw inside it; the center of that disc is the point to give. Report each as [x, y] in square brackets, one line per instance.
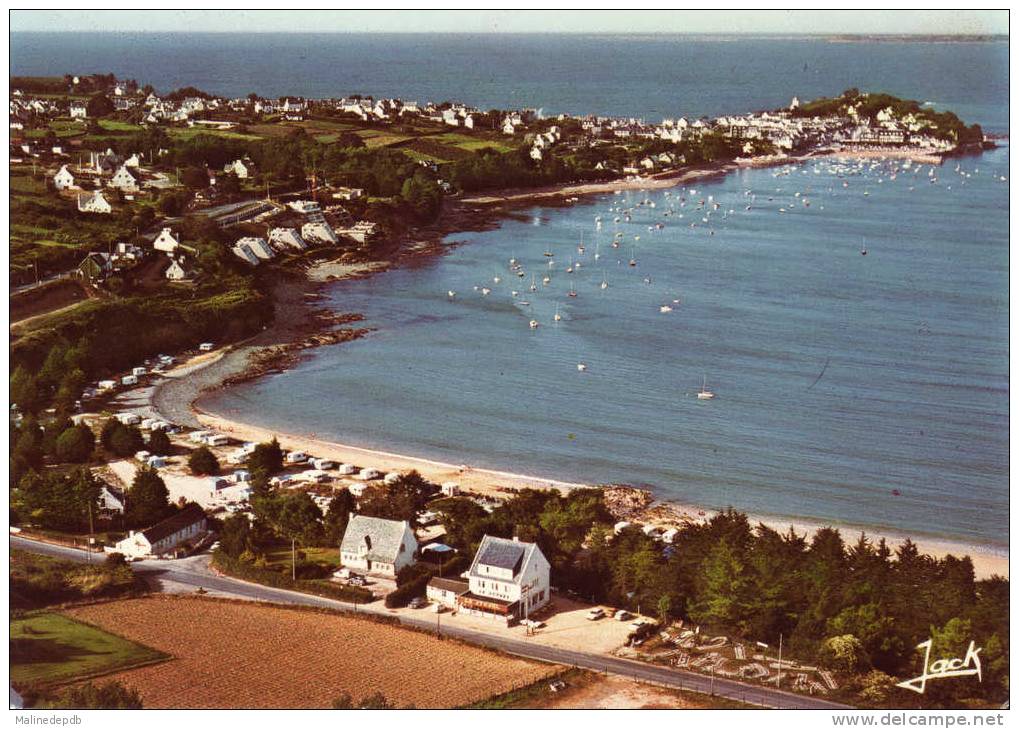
[250, 655]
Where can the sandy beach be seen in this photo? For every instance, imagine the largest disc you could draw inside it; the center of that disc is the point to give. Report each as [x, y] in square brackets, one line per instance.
[175, 396]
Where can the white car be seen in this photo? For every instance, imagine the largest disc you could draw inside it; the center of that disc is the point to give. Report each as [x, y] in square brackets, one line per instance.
[595, 614]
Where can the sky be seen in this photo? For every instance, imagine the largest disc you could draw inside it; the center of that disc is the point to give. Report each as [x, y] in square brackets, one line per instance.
[518, 21]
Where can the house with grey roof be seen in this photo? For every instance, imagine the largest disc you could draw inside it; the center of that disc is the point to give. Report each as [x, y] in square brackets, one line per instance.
[187, 526]
[508, 580]
[380, 546]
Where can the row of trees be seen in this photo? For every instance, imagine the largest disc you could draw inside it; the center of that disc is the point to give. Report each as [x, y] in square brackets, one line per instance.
[856, 607]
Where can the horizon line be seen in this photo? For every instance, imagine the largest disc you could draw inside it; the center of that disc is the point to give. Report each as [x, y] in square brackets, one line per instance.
[810, 34]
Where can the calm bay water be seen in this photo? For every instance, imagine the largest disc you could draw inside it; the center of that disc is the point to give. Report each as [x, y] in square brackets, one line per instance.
[619, 75]
[912, 340]
[907, 427]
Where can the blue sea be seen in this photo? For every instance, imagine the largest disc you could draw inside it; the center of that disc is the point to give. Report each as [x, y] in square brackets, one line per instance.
[868, 390]
[865, 390]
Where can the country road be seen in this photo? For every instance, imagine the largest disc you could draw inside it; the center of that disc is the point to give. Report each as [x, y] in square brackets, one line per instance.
[194, 572]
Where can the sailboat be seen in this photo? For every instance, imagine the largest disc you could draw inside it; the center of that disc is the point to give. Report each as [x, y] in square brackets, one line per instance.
[597, 251]
[534, 286]
[573, 292]
[558, 316]
[705, 393]
[580, 248]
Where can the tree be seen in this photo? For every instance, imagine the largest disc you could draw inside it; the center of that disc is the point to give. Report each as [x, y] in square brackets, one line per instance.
[195, 178]
[664, 606]
[75, 445]
[125, 440]
[24, 392]
[400, 500]
[844, 653]
[99, 105]
[726, 589]
[337, 516]
[202, 462]
[266, 457]
[235, 535]
[159, 442]
[148, 500]
[112, 695]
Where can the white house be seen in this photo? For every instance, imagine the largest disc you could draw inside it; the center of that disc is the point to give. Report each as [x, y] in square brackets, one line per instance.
[176, 272]
[382, 546]
[245, 254]
[78, 110]
[238, 168]
[258, 246]
[124, 180]
[446, 590]
[64, 179]
[93, 202]
[286, 238]
[187, 525]
[165, 241]
[508, 580]
[319, 233]
[111, 501]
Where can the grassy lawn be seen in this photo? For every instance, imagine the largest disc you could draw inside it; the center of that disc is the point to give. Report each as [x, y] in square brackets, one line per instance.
[28, 185]
[472, 144]
[118, 126]
[189, 132]
[422, 157]
[327, 555]
[49, 648]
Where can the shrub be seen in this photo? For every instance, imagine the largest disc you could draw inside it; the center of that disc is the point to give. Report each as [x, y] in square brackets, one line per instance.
[202, 462]
[406, 592]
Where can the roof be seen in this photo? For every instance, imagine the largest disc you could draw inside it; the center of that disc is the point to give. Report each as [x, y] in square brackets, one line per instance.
[187, 516]
[503, 553]
[506, 554]
[382, 537]
[452, 584]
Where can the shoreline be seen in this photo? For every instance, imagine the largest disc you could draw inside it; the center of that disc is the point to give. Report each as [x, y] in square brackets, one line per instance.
[300, 323]
[988, 560]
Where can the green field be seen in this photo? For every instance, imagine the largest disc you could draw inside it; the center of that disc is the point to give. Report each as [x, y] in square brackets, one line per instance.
[119, 126]
[189, 132]
[48, 648]
[326, 555]
[472, 143]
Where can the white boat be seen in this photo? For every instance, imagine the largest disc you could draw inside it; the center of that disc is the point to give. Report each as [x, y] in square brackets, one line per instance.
[705, 393]
[534, 324]
[582, 367]
[451, 294]
[486, 291]
[665, 308]
[534, 286]
[558, 316]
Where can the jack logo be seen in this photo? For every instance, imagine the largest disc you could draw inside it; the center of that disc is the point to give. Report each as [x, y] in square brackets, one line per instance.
[944, 668]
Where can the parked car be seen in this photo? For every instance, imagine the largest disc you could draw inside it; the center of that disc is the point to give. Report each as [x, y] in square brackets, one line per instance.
[595, 614]
[417, 603]
[357, 581]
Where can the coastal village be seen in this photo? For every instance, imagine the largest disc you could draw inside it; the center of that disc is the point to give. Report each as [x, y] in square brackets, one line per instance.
[155, 236]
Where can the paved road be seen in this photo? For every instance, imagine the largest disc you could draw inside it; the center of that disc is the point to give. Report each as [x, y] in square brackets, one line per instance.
[194, 571]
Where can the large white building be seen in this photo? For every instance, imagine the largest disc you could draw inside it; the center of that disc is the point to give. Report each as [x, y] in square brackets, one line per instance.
[187, 525]
[508, 580]
[381, 546]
